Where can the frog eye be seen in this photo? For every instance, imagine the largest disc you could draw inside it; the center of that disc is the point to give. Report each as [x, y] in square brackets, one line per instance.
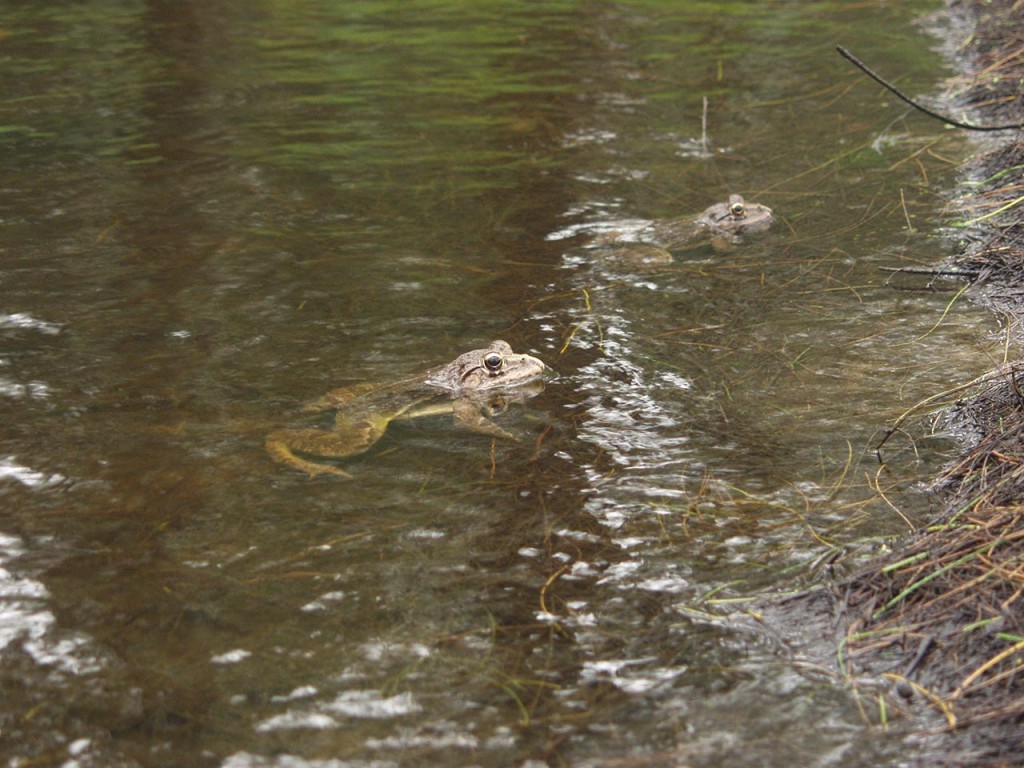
[493, 362]
[739, 210]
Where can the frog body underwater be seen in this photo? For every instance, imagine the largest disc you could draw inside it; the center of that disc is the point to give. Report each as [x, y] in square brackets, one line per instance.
[722, 224]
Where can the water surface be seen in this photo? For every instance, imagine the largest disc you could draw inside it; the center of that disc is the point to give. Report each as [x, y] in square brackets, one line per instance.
[215, 212]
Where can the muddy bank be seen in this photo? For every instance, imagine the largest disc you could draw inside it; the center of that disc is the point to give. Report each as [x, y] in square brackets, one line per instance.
[933, 633]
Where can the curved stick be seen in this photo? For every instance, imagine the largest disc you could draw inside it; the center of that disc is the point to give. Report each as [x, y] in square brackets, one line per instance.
[899, 94]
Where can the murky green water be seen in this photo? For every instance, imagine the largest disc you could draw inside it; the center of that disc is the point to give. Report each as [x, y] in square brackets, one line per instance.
[214, 212]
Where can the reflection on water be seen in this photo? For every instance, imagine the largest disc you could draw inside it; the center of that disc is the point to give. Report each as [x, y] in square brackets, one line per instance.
[214, 214]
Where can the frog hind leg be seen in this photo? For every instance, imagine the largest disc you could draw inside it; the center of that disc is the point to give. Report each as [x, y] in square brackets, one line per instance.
[356, 438]
[280, 446]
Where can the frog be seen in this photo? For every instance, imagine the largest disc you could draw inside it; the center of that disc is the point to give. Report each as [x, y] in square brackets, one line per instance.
[731, 220]
[474, 387]
[721, 224]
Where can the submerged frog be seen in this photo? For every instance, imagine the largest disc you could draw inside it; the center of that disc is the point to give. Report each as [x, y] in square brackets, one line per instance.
[473, 387]
[722, 224]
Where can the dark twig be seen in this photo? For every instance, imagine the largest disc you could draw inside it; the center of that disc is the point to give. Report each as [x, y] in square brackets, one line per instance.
[932, 274]
[899, 94]
[926, 645]
[927, 271]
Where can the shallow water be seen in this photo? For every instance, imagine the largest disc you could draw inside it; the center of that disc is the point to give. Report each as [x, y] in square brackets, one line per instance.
[213, 213]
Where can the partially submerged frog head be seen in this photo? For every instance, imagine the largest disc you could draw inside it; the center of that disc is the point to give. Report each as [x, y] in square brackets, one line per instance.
[495, 367]
[737, 217]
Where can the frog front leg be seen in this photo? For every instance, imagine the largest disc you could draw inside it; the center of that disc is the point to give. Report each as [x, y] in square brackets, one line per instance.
[348, 439]
[473, 414]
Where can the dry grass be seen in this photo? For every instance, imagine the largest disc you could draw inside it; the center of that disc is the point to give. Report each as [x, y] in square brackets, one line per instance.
[942, 618]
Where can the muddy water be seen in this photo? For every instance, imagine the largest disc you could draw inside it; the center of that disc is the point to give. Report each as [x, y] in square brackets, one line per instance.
[215, 212]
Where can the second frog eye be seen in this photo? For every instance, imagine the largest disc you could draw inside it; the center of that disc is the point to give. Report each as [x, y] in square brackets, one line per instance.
[738, 210]
[493, 362]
